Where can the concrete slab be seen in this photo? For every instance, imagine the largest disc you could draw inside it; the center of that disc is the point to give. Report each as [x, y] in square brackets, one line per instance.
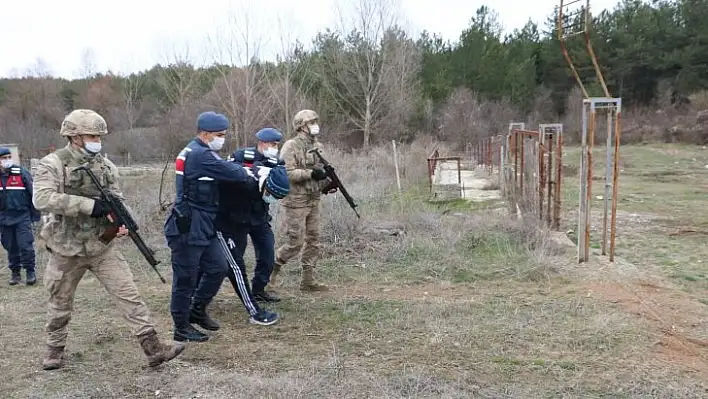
[475, 183]
[481, 195]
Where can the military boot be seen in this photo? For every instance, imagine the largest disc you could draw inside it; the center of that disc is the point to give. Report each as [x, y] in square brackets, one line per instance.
[15, 278]
[190, 334]
[31, 277]
[274, 280]
[156, 351]
[308, 282]
[199, 316]
[54, 358]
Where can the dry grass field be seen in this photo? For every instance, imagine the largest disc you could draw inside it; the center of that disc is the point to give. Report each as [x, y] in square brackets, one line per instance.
[428, 300]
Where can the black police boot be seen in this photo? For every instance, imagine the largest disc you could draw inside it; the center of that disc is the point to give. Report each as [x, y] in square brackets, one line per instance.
[189, 333]
[31, 277]
[199, 316]
[15, 278]
[264, 296]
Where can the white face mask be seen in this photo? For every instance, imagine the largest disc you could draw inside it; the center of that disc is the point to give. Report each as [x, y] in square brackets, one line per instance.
[270, 152]
[314, 130]
[269, 199]
[7, 163]
[217, 143]
[92, 148]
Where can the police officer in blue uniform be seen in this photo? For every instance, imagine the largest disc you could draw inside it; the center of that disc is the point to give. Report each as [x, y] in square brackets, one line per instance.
[190, 228]
[256, 222]
[17, 213]
[243, 214]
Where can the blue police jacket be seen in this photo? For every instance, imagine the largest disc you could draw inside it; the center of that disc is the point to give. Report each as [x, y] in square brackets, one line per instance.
[243, 206]
[199, 170]
[16, 197]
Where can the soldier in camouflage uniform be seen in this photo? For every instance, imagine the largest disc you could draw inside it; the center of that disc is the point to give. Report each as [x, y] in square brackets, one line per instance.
[72, 224]
[299, 218]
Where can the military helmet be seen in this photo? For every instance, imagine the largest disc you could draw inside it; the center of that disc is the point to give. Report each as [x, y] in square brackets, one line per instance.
[83, 121]
[303, 118]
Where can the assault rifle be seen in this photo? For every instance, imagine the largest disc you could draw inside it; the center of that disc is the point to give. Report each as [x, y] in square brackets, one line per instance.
[336, 183]
[120, 216]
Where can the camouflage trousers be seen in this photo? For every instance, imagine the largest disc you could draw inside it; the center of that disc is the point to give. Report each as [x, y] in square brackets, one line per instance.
[299, 229]
[110, 268]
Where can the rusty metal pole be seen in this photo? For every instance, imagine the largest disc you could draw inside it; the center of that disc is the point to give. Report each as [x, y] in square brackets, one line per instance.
[430, 176]
[516, 158]
[541, 173]
[476, 153]
[582, 194]
[559, 180]
[608, 166]
[591, 144]
[489, 154]
[549, 172]
[522, 147]
[615, 181]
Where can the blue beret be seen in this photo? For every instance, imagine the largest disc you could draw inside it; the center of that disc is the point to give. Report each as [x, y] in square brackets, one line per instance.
[4, 151]
[269, 135]
[277, 182]
[212, 122]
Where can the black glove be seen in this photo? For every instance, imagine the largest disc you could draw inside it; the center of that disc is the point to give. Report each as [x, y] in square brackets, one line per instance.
[330, 188]
[100, 209]
[318, 174]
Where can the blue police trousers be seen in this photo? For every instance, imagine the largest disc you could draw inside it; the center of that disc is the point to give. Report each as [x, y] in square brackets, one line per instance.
[18, 241]
[189, 261]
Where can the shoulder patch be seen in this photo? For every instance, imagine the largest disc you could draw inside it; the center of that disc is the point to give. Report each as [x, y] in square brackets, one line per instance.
[215, 155]
[181, 158]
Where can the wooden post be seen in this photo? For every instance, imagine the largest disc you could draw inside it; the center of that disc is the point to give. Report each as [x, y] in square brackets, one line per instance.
[395, 162]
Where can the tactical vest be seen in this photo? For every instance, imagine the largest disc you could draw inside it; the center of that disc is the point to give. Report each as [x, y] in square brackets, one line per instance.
[308, 191]
[78, 235]
[77, 182]
[13, 191]
[200, 193]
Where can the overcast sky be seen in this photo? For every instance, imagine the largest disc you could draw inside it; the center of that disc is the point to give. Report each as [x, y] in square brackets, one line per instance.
[130, 35]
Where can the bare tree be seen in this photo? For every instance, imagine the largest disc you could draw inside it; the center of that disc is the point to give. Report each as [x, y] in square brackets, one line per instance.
[131, 88]
[400, 83]
[239, 88]
[33, 109]
[287, 82]
[179, 77]
[357, 70]
[179, 80]
[40, 69]
[89, 66]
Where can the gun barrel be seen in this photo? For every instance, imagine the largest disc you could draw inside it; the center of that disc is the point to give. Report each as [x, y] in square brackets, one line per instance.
[332, 174]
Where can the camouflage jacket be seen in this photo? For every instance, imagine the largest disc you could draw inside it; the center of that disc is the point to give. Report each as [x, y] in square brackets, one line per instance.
[304, 191]
[66, 199]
